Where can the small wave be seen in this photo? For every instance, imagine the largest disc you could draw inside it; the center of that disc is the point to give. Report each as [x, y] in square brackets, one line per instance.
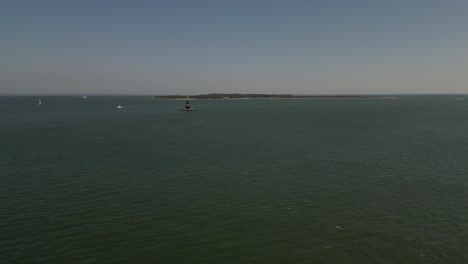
[125, 107]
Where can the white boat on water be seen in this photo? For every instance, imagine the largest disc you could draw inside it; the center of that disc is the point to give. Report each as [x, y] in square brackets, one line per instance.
[119, 107]
[84, 97]
[39, 102]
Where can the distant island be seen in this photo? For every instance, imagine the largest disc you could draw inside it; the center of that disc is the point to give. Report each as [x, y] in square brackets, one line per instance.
[222, 96]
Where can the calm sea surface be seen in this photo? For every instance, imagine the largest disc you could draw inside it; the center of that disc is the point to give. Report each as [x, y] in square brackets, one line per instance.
[240, 181]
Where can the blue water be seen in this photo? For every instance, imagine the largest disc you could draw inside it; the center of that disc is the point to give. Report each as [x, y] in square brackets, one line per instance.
[238, 181]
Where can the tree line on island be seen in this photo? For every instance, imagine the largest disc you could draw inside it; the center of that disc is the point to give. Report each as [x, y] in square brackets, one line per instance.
[267, 96]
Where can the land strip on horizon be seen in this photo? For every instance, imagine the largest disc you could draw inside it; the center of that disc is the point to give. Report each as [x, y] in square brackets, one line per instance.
[222, 96]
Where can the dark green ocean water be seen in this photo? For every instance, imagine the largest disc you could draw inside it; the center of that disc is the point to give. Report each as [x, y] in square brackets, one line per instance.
[241, 181]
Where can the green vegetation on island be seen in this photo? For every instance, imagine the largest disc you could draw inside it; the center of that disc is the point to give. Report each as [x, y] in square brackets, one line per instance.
[223, 96]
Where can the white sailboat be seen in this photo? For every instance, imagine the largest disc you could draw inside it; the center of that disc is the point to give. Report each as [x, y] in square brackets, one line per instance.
[39, 102]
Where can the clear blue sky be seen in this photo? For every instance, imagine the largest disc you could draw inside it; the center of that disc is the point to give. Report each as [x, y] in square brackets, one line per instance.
[204, 46]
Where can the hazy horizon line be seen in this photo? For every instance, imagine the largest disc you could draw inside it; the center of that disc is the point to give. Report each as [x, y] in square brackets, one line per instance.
[178, 94]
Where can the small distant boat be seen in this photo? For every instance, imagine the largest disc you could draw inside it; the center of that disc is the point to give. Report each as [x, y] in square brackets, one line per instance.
[460, 98]
[119, 107]
[39, 102]
[84, 97]
[187, 106]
